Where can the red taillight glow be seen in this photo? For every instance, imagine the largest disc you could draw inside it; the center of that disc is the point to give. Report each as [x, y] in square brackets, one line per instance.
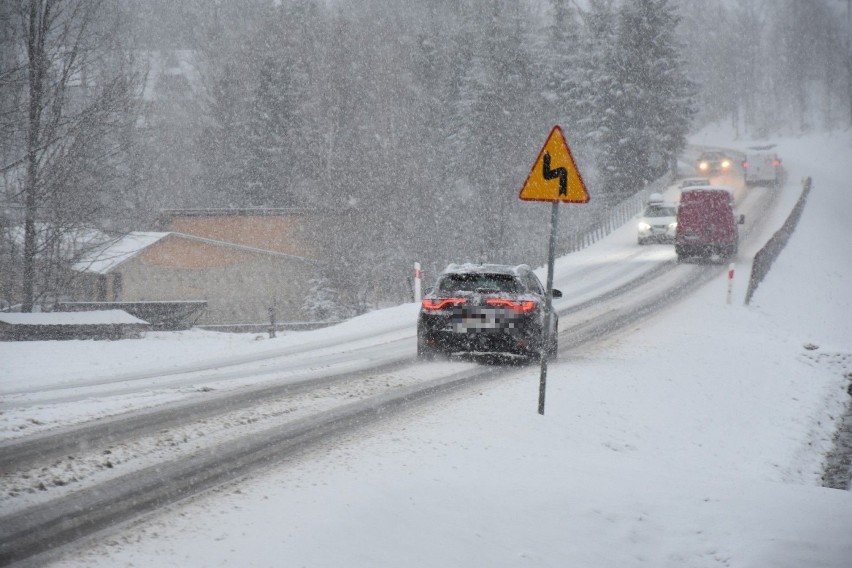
[776, 163]
[516, 306]
[745, 164]
[441, 303]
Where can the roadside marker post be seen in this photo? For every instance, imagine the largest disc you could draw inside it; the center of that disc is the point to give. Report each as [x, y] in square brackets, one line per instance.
[730, 281]
[554, 177]
[418, 277]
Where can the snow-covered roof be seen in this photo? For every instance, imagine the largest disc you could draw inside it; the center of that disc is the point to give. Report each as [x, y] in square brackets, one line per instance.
[97, 317]
[103, 259]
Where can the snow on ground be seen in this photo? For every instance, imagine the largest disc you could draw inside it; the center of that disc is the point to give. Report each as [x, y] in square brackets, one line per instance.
[694, 439]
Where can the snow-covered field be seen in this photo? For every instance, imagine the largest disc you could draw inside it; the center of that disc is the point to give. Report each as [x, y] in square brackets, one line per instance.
[696, 438]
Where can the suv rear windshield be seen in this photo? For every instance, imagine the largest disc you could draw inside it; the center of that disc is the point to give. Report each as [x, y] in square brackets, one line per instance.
[472, 282]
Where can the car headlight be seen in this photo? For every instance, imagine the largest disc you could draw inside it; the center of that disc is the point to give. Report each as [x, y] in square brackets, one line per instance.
[643, 226]
[702, 165]
[726, 164]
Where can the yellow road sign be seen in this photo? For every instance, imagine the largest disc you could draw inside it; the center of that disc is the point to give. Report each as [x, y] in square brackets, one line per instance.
[554, 176]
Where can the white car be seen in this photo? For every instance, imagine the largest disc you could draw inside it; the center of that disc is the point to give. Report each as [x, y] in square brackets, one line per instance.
[658, 223]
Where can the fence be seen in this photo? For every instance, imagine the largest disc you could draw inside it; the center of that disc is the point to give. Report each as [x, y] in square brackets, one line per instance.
[766, 256]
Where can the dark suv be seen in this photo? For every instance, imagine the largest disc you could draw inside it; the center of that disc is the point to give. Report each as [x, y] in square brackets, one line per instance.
[485, 309]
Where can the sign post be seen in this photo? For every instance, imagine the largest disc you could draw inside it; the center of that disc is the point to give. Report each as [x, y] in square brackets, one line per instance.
[554, 177]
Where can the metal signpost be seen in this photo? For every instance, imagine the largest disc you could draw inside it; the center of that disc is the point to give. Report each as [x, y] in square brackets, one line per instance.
[554, 177]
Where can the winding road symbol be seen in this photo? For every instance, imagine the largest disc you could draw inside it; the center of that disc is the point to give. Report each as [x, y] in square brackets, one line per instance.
[550, 174]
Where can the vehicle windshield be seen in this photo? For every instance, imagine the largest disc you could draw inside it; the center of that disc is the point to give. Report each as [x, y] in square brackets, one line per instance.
[660, 211]
[471, 282]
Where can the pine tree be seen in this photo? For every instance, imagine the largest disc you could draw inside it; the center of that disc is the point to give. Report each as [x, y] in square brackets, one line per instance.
[560, 65]
[649, 111]
[492, 124]
[272, 137]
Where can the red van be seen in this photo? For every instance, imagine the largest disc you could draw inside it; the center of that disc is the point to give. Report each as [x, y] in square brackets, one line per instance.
[706, 225]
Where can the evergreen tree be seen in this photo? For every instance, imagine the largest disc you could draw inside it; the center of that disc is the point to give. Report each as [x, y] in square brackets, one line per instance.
[225, 154]
[560, 64]
[493, 113]
[272, 136]
[649, 112]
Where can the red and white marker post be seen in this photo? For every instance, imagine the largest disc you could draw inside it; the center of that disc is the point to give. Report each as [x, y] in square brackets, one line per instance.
[418, 278]
[730, 280]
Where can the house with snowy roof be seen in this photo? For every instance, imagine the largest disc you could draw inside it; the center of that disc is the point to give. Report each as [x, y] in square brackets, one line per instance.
[239, 282]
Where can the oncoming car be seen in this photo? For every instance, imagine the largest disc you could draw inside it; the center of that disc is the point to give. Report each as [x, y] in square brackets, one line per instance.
[658, 223]
[713, 162]
[486, 309]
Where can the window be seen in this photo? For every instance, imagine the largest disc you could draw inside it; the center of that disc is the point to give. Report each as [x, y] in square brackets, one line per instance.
[473, 282]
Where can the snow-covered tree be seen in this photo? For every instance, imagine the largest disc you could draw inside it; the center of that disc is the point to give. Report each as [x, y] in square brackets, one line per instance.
[74, 90]
[322, 302]
[492, 124]
[648, 112]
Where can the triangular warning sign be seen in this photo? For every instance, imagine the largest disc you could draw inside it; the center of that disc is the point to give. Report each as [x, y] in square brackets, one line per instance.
[554, 176]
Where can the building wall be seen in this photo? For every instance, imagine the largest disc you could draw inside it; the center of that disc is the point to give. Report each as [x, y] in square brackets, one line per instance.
[290, 234]
[239, 292]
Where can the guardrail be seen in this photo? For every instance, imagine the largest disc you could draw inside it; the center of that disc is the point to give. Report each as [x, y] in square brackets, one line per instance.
[766, 256]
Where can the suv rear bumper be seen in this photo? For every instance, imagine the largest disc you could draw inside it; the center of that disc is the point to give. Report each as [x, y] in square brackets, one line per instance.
[437, 332]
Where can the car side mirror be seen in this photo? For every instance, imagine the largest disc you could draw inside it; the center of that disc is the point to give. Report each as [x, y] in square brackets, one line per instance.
[741, 219]
[556, 293]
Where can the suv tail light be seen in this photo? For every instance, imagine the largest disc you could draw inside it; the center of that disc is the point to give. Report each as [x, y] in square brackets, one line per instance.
[523, 306]
[441, 303]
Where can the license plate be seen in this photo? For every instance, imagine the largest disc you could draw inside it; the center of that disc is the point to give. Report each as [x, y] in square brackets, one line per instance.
[475, 323]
